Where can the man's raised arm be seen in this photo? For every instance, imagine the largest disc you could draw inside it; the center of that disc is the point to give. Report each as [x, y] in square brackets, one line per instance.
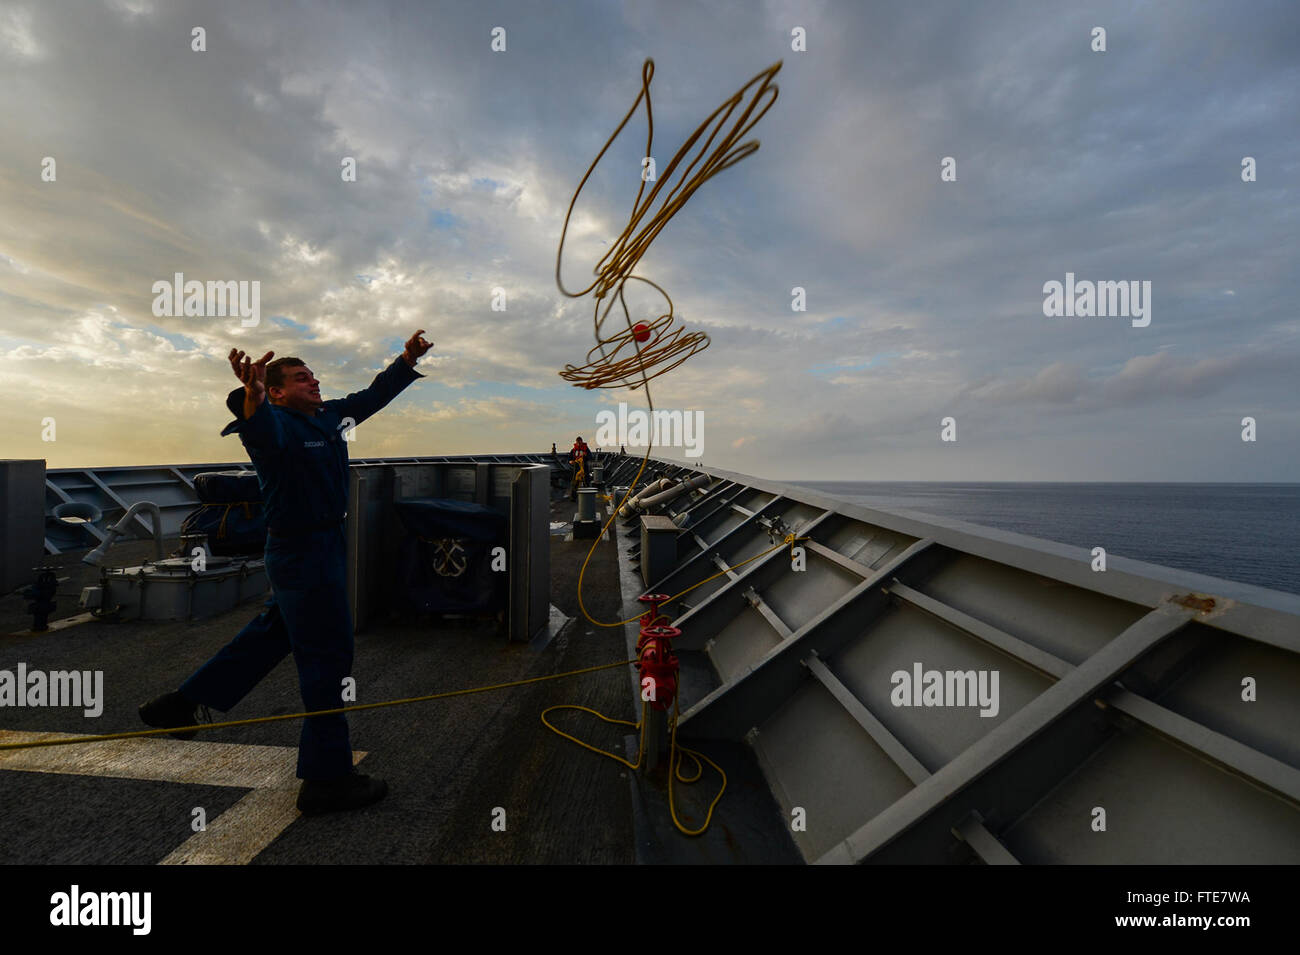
[258, 430]
[388, 384]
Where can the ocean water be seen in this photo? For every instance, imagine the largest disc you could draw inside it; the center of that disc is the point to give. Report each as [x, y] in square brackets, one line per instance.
[1244, 532]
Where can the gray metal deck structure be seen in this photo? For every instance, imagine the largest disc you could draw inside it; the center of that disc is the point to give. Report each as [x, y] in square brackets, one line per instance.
[171, 486]
[1144, 715]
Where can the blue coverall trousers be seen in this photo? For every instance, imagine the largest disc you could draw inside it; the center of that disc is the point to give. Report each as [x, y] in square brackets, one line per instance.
[307, 614]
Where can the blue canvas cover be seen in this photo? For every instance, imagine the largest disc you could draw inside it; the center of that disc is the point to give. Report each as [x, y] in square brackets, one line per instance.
[227, 487]
[234, 529]
[438, 517]
[445, 560]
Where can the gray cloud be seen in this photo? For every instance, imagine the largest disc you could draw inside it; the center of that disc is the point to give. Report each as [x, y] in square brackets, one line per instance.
[923, 297]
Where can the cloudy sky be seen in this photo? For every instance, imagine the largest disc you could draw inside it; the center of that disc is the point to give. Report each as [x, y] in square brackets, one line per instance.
[924, 297]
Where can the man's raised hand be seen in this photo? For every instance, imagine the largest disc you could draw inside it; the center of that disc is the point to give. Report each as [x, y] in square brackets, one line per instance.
[253, 375]
[236, 356]
[239, 363]
[415, 347]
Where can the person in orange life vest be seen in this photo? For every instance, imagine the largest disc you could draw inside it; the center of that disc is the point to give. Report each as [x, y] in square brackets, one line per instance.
[579, 460]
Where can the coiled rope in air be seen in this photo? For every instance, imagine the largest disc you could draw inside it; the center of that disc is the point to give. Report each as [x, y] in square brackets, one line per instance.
[631, 356]
[668, 348]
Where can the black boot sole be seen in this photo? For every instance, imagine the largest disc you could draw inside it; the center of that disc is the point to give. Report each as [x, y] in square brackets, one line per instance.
[319, 805]
[159, 724]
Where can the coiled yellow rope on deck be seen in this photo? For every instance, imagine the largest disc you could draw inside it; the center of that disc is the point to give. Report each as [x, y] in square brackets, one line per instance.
[676, 755]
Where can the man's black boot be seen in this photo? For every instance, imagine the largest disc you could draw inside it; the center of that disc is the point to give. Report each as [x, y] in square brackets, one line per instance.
[172, 709]
[334, 795]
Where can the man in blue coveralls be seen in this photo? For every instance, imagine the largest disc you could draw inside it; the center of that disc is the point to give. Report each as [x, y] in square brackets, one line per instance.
[296, 443]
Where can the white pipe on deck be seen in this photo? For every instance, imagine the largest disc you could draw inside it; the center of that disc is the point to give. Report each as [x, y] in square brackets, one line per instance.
[97, 555]
[664, 497]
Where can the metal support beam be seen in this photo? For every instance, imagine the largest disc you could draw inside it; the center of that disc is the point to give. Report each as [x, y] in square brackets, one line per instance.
[972, 831]
[1226, 752]
[710, 495]
[887, 741]
[709, 548]
[112, 496]
[706, 521]
[186, 481]
[1040, 660]
[722, 566]
[719, 507]
[1200, 740]
[918, 826]
[983, 842]
[848, 563]
[704, 617]
[729, 711]
[758, 603]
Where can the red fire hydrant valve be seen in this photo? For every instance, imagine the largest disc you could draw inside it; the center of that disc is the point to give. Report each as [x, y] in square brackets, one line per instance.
[651, 616]
[659, 666]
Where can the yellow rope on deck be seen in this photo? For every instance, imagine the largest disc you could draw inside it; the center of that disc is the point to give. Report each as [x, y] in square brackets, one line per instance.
[134, 734]
[675, 756]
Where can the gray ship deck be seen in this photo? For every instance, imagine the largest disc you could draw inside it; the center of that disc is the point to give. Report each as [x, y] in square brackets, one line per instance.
[1121, 691]
[449, 763]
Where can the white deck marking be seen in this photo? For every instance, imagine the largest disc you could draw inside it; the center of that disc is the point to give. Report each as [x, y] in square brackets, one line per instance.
[56, 625]
[233, 838]
[242, 831]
